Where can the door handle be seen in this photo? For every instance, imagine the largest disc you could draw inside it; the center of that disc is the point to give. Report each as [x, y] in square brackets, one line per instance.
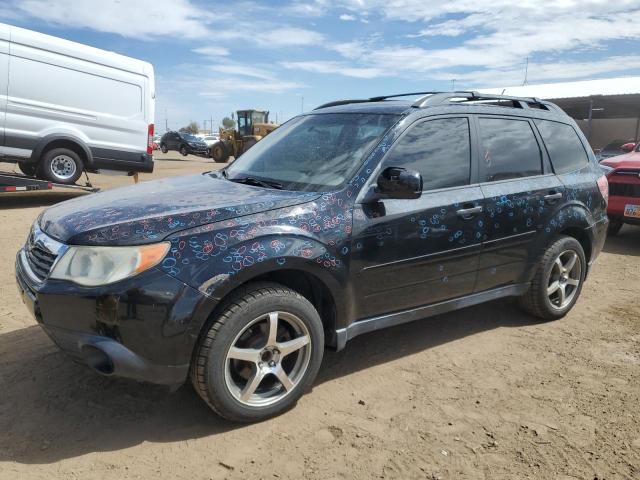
[552, 197]
[467, 213]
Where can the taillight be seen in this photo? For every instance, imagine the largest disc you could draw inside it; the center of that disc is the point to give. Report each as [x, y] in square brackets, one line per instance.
[603, 185]
[150, 139]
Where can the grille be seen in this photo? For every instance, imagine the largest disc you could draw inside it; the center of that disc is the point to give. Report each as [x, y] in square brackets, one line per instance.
[40, 260]
[624, 189]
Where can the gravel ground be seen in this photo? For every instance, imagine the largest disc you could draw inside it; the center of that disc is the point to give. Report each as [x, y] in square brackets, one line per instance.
[482, 393]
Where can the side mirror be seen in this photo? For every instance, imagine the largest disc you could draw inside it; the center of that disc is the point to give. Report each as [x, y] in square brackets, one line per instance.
[399, 183]
[628, 147]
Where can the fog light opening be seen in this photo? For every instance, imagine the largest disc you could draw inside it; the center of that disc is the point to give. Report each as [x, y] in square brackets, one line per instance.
[97, 359]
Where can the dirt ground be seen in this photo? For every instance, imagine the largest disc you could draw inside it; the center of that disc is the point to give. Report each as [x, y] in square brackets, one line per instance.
[483, 393]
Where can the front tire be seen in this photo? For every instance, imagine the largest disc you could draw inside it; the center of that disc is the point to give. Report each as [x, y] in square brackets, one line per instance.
[260, 355]
[163, 148]
[219, 152]
[61, 165]
[558, 281]
[183, 151]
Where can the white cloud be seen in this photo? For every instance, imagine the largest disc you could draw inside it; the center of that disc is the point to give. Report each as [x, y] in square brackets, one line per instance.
[347, 18]
[212, 51]
[243, 70]
[330, 67]
[288, 37]
[541, 72]
[135, 19]
[498, 36]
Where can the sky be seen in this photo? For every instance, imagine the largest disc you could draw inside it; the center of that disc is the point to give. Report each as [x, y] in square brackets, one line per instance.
[288, 56]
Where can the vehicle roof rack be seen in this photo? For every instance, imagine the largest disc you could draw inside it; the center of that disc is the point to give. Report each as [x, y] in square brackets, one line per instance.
[372, 99]
[432, 99]
[442, 98]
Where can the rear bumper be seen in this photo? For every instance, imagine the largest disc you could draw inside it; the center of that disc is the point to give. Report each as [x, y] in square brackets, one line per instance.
[144, 328]
[597, 234]
[121, 161]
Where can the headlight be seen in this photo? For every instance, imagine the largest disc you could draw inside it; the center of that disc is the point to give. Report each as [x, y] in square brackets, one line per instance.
[92, 266]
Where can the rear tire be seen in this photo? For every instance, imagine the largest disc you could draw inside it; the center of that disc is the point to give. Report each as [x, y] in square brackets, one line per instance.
[28, 168]
[219, 152]
[61, 165]
[557, 283]
[240, 368]
[615, 224]
[163, 148]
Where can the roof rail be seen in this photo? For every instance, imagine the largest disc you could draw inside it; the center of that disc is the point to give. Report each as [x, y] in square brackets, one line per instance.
[471, 96]
[372, 99]
[432, 99]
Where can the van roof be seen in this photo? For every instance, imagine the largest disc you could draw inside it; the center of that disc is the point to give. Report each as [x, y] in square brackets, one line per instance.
[69, 48]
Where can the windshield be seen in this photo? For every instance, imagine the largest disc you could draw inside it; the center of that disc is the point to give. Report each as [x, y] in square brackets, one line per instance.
[314, 152]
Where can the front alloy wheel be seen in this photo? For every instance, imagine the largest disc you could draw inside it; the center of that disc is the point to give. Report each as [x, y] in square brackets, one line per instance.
[260, 354]
[268, 359]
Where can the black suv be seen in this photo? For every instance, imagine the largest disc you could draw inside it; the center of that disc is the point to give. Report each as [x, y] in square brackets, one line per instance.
[356, 216]
[184, 143]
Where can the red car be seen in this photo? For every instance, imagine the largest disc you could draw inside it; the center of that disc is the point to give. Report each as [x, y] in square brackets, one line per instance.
[623, 173]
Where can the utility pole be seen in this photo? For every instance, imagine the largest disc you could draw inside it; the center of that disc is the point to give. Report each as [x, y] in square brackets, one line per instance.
[211, 126]
[453, 84]
[166, 122]
[301, 104]
[526, 72]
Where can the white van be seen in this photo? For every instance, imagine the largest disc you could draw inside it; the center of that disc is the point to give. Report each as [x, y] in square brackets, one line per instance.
[66, 107]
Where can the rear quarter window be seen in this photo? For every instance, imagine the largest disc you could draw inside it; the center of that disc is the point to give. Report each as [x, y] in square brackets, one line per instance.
[565, 149]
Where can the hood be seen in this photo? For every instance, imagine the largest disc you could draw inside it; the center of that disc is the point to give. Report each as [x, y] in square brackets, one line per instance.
[627, 160]
[150, 211]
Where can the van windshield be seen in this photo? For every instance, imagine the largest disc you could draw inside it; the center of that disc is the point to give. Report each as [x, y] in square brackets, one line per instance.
[315, 152]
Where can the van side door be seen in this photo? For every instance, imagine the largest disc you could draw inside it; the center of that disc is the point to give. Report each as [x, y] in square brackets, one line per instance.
[4, 79]
[521, 195]
[411, 253]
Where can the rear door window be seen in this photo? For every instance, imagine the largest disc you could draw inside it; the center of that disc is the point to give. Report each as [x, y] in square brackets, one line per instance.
[508, 149]
[565, 149]
[439, 149]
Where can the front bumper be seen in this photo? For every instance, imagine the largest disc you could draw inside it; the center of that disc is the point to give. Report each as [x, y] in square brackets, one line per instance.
[143, 328]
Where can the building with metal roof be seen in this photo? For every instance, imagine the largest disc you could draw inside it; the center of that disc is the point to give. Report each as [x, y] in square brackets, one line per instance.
[605, 109]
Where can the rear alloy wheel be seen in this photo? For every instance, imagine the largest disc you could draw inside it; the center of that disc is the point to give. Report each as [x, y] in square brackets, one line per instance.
[557, 283]
[259, 357]
[61, 165]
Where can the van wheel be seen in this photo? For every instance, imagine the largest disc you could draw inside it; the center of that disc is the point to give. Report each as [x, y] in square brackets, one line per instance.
[219, 152]
[558, 280]
[163, 148]
[260, 355]
[183, 151]
[27, 168]
[61, 165]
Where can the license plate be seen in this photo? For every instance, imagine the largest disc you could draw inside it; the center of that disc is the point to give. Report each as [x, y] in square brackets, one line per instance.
[632, 211]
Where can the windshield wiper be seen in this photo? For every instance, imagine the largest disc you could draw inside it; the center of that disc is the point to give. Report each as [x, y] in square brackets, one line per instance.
[257, 182]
